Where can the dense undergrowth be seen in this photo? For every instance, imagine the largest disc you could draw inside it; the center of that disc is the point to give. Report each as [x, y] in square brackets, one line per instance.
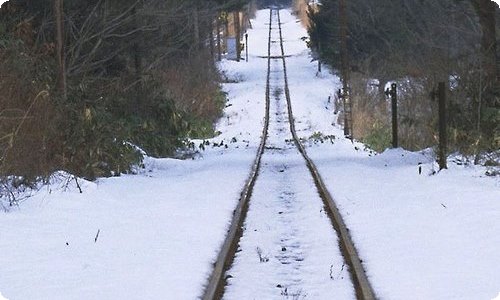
[416, 45]
[137, 77]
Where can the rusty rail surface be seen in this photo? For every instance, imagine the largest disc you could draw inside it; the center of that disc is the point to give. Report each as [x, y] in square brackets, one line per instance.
[215, 287]
[358, 275]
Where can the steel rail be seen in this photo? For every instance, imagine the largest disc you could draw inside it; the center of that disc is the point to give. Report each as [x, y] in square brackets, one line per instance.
[215, 286]
[360, 281]
[216, 283]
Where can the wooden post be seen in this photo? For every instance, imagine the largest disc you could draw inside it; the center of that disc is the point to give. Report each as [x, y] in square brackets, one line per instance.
[394, 105]
[219, 40]
[443, 138]
[319, 56]
[246, 46]
[226, 32]
[347, 119]
[58, 13]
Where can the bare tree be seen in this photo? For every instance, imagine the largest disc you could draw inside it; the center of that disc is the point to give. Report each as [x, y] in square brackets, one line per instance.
[59, 17]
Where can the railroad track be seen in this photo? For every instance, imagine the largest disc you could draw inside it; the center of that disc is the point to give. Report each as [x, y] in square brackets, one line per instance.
[274, 197]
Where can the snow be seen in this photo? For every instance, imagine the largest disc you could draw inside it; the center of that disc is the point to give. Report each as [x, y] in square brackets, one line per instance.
[289, 247]
[160, 230]
[150, 225]
[446, 225]
[421, 236]
[287, 224]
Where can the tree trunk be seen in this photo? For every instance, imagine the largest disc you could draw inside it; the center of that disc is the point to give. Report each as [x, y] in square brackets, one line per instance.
[211, 41]
[344, 61]
[343, 44]
[196, 29]
[61, 80]
[486, 11]
[238, 34]
[137, 54]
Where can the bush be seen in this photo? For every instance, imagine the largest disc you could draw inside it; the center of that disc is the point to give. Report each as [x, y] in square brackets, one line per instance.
[131, 82]
[27, 110]
[379, 137]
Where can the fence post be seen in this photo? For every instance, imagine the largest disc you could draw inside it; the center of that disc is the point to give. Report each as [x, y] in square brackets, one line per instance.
[393, 93]
[246, 46]
[219, 40]
[347, 105]
[443, 138]
[319, 56]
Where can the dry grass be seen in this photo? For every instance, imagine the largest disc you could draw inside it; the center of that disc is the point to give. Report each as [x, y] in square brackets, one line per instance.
[194, 86]
[372, 115]
[300, 8]
[26, 119]
[26, 139]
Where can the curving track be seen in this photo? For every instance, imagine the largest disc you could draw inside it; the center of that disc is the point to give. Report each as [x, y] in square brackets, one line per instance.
[282, 244]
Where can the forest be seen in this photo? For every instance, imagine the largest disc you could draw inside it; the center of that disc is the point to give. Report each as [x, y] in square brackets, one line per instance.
[88, 86]
[416, 44]
[85, 83]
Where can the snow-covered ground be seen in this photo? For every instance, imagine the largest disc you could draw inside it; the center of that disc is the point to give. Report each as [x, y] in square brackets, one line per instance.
[159, 231]
[289, 249]
[420, 236]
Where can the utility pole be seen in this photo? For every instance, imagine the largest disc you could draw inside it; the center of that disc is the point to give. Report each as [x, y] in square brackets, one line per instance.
[61, 80]
[440, 93]
[344, 58]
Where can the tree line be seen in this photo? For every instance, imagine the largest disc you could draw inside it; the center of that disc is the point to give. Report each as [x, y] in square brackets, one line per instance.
[417, 43]
[85, 82]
